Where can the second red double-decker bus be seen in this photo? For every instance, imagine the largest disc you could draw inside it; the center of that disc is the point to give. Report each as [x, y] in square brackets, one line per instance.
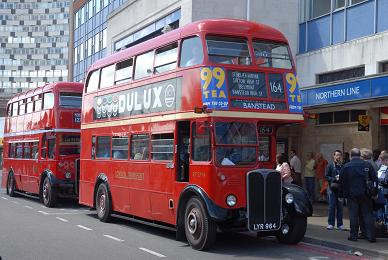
[178, 131]
[42, 142]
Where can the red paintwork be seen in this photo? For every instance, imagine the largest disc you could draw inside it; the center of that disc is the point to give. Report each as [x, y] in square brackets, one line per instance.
[149, 197]
[27, 172]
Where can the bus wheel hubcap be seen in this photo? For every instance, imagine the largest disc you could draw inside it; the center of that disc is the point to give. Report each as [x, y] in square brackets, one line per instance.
[102, 203]
[45, 191]
[193, 221]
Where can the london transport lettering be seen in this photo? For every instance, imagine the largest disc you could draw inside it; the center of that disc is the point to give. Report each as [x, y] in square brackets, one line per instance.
[157, 97]
[240, 85]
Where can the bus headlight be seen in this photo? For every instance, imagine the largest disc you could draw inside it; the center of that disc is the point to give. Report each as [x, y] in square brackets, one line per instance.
[289, 198]
[231, 200]
[67, 175]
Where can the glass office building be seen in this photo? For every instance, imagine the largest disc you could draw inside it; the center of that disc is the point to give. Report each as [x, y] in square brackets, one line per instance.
[34, 38]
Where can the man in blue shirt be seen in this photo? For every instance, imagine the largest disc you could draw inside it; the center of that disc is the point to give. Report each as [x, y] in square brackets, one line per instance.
[353, 184]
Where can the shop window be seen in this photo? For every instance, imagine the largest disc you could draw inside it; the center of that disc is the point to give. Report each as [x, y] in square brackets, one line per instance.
[383, 67]
[165, 58]
[120, 148]
[319, 8]
[355, 113]
[341, 117]
[201, 142]
[107, 76]
[124, 71]
[162, 146]
[341, 75]
[191, 52]
[103, 147]
[140, 147]
[325, 118]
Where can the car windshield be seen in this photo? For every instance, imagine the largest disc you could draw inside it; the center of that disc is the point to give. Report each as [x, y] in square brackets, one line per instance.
[274, 55]
[228, 50]
[70, 100]
[236, 143]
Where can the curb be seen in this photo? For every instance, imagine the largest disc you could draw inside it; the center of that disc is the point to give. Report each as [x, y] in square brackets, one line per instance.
[342, 247]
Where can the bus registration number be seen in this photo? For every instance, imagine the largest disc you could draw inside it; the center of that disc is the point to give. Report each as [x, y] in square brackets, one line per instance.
[77, 117]
[266, 226]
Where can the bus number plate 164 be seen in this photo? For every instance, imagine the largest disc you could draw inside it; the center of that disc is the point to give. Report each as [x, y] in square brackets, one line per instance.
[77, 117]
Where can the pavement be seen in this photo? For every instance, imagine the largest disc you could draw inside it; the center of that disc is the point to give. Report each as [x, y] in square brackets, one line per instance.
[317, 234]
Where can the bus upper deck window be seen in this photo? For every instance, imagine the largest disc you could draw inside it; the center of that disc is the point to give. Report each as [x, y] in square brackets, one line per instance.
[107, 76]
[191, 52]
[274, 55]
[48, 100]
[165, 58]
[143, 67]
[93, 81]
[228, 50]
[124, 71]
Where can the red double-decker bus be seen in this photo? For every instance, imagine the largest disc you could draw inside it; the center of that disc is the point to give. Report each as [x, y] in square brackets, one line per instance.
[42, 142]
[178, 131]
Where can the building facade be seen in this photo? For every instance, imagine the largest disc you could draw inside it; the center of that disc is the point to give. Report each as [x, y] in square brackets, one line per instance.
[342, 63]
[34, 37]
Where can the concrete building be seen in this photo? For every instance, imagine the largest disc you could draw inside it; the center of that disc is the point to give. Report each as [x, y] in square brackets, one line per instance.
[342, 63]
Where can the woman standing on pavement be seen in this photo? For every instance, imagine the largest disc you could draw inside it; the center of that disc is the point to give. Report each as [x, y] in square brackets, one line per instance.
[309, 175]
[283, 168]
[320, 169]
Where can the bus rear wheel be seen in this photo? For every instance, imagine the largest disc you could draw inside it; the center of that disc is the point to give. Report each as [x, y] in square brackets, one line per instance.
[49, 196]
[296, 231]
[11, 185]
[199, 229]
[103, 203]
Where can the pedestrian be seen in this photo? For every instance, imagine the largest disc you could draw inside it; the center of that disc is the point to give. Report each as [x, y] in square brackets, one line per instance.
[366, 155]
[376, 155]
[382, 175]
[335, 205]
[309, 176]
[283, 168]
[379, 161]
[296, 168]
[320, 168]
[353, 180]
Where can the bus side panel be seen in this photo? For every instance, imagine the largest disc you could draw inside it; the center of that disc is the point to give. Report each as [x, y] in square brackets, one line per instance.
[86, 183]
[118, 183]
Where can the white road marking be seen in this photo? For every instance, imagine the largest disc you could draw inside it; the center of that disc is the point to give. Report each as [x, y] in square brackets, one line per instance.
[151, 252]
[43, 212]
[43, 206]
[4, 198]
[28, 207]
[15, 202]
[61, 209]
[83, 227]
[114, 238]
[65, 213]
[62, 219]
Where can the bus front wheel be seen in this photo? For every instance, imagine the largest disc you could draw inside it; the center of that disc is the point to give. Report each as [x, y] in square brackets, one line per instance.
[103, 203]
[11, 186]
[49, 196]
[296, 231]
[199, 229]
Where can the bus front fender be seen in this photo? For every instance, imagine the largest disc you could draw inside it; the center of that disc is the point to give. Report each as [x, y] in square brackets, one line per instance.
[301, 205]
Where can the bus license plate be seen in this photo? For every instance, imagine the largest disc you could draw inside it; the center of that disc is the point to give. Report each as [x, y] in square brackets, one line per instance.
[266, 226]
[77, 117]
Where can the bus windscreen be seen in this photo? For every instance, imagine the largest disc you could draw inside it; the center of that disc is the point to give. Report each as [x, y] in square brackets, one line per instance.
[272, 55]
[228, 50]
[70, 100]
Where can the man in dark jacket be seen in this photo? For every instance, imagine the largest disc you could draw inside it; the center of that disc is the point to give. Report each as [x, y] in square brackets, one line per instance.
[335, 206]
[353, 184]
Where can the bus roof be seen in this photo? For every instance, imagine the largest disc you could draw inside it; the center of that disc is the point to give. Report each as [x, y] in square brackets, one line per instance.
[214, 26]
[49, 86]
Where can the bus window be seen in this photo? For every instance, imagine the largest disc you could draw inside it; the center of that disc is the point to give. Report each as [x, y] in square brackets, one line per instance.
[48, 100]
[9, 110]
[37, 103]
[34, 150]
[124, 71]
[30, 105]
[107, 76]
[93, 81]
[228, 50]
[139, 147]
[69, 144]
[12, 148]
[165, 58]
[51, 148]
[15, 107]
[201, 142]
[70, 99]
[162, 146]
[22, 107]
[27, 151]
[120, 148]
[264, 148]
[236, 143]
[191, 52]
[273, 55]
[19, 150]
[103, 147]
[143, 66]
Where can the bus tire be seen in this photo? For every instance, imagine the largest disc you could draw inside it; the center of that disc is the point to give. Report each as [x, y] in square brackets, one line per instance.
[103, 203]
[296, 232]
[11, 185]
[200, 230]
[49, 195]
